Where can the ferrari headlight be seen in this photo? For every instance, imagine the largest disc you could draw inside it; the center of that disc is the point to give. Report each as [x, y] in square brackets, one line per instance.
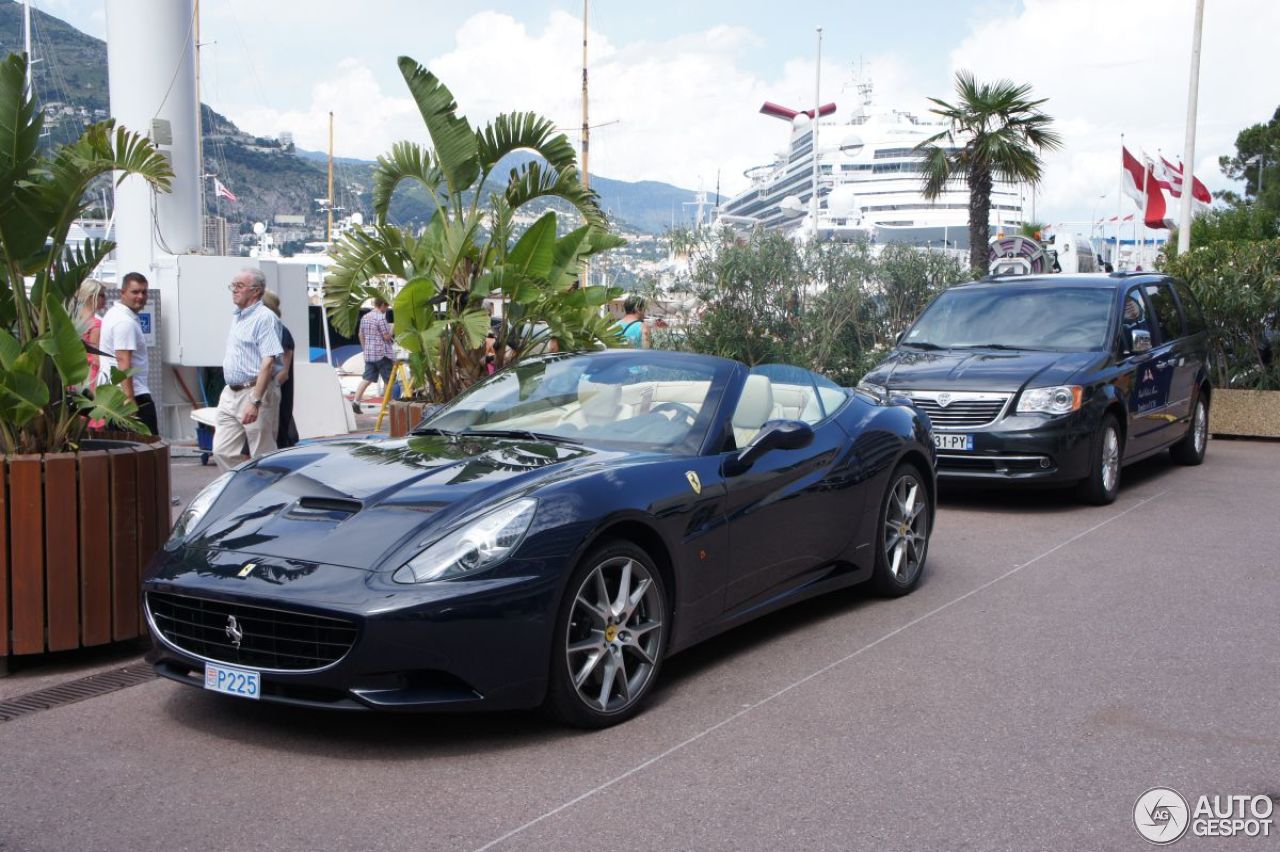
[880, 392]
[473, 547]
[1062, 399]
[199, 506]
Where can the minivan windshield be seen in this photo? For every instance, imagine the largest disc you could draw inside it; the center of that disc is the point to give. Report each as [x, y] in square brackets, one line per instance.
[1073, 319]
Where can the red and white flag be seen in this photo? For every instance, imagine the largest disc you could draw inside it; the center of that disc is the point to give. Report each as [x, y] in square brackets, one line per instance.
[1157, 213]
[1173, 176]
[221, 191]
[1132, 178]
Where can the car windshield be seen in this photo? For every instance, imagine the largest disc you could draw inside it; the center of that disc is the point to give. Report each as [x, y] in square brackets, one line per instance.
[637, 400]
[1022, 317]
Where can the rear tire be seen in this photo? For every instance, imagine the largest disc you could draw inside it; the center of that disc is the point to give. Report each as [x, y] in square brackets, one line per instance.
[1190, 450]
[610, 637]
[1102, 484]
[902, 536]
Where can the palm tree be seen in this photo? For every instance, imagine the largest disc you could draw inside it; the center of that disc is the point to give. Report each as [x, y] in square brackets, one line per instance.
[997, 132]
[42, 358]
[466, 252]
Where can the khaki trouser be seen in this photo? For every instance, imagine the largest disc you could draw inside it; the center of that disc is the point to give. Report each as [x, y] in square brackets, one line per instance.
[230, 433]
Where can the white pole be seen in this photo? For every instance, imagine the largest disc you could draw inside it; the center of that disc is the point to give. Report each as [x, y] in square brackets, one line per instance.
[1115, 253]
[1146, 176]
[817, 105]
[26, 40]
[1189, 149]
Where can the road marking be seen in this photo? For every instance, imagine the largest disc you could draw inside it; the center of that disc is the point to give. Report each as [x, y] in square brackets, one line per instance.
[749, 707]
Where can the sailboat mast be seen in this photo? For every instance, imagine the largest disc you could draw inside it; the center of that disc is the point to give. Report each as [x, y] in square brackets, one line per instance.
[813, 137]
[328, 234]
[200, 133]
[586, 129]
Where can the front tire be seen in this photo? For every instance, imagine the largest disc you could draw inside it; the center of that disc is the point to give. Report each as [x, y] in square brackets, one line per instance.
[1190, 450]
[611, 635]
[902, 538]
[1102, 484]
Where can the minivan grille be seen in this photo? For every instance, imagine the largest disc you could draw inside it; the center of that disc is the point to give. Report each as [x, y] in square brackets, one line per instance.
[268, 638]
[963, 410]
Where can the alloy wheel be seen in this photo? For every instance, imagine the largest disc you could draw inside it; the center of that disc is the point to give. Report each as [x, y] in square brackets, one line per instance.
[614, 634]
[906, 528]
[1110, 459]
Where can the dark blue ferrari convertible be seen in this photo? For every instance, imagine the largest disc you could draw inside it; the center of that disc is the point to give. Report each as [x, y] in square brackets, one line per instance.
[547, 538]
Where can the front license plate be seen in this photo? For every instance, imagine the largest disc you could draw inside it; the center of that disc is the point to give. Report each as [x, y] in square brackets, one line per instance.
[953, 442]
[238, 682]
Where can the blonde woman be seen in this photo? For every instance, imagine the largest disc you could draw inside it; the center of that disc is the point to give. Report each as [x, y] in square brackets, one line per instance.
[91, 300]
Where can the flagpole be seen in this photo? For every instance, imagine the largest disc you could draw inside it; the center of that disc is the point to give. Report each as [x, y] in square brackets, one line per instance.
[1115, 254]
[1146, 200]
[1189, 153]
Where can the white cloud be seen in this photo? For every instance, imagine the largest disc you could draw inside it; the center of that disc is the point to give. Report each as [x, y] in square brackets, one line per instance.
[1109, 67]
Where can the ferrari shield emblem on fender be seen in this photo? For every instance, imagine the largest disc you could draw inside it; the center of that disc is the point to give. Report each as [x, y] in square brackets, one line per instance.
[247, 569]
[694, 482]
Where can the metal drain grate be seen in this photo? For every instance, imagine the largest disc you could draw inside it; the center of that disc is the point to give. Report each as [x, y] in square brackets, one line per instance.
[73, 691]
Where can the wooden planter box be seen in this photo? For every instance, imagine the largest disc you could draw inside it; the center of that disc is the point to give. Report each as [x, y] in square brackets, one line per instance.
[404, 416]
[78, 530]
[1245, 413]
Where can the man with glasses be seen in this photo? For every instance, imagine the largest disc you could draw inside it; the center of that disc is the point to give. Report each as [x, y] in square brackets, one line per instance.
[250, 403]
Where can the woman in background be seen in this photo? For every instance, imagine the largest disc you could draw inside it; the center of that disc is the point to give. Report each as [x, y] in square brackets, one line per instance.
[287, 435]
[91, 300]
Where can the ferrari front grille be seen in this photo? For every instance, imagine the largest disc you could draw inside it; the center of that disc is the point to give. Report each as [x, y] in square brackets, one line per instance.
[253, 636]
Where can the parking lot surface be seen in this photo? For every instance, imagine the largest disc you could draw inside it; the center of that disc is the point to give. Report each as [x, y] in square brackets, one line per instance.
[1056, 662]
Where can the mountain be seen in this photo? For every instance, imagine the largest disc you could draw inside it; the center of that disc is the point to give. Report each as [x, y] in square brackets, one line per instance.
[267, 176]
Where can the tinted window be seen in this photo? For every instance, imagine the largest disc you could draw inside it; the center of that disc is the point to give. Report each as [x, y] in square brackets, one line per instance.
[1018, 317]
[1166, 309]
[1190, 308]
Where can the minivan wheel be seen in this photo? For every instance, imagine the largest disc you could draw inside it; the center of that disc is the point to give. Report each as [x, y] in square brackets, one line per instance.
[1190, 450]
[1102, 484]
[610, 637]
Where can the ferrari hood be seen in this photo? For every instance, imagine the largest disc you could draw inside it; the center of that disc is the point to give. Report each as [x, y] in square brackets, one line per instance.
[977, 370]
[349, 503]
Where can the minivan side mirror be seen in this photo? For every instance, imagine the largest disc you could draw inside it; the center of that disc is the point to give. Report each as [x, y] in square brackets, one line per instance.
[1139, 341]
[774, 435]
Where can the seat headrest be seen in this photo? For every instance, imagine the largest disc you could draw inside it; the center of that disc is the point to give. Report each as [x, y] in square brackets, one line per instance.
[756, 403]
[600, 401]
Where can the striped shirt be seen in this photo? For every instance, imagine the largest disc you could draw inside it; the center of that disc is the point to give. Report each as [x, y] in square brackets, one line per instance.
[254, 335]
[373, 326]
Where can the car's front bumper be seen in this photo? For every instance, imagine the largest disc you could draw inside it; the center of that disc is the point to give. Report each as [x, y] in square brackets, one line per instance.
[482, 643]
[1022, 449]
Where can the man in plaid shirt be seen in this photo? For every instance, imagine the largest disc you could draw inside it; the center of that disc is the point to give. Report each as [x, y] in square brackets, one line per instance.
[375, 339]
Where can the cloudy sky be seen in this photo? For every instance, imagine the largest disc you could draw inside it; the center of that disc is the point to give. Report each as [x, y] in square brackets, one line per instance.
[676, 86]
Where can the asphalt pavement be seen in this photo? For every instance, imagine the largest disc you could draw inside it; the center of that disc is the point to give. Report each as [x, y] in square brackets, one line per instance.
[1056, 662]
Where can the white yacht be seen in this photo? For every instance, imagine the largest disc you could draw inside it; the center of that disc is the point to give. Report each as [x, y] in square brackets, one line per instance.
[869, 179]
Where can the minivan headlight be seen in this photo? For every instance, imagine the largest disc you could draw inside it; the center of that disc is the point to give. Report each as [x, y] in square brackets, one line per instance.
[473, 547]
[880, 392]
[1060, 399]
[198, 507]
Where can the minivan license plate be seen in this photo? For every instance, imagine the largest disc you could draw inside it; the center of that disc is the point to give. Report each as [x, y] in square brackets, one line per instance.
[953, 442]
[241, 683]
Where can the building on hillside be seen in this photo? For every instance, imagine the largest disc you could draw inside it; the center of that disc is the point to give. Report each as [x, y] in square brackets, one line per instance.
[220, 236]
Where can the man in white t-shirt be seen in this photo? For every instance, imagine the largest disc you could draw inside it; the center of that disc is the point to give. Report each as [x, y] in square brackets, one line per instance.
[124, 347]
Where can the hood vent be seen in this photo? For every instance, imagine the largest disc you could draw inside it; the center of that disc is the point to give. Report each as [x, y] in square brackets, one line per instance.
[324, 509]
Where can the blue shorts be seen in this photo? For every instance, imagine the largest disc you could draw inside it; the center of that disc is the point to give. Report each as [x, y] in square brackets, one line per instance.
[373, 370]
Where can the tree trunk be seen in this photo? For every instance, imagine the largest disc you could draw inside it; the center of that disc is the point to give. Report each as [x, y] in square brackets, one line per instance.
[979, 220]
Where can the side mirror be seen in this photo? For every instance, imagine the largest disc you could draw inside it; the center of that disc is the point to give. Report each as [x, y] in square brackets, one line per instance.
[774, 435]
[1139, 341]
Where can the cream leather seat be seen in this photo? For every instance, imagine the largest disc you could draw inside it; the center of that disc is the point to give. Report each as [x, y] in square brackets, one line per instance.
[755, 407]
[599, 404]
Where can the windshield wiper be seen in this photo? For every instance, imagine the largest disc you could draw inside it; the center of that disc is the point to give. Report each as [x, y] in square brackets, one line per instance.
[999, 346]
[923, 344]
[432, 430]
[527, 434]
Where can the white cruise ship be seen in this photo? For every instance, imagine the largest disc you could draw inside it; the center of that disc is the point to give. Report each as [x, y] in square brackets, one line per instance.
[868, 182]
